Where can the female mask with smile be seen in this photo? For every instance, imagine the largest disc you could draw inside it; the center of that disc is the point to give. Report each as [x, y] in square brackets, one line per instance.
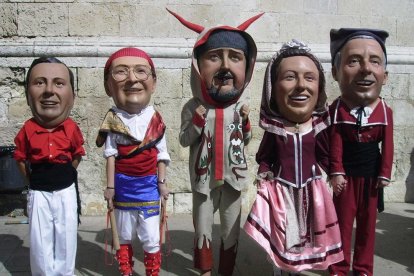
[296, 88]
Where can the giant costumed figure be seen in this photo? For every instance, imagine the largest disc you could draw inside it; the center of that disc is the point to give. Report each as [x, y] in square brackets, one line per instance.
[215, 125]
[361, 122]
[293, 218]
[49, 148]
[133, 133]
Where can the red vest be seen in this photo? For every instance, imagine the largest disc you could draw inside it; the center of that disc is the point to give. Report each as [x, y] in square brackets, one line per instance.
[142, 164]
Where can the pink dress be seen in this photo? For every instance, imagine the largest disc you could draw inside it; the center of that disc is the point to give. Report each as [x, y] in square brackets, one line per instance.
[293, 217]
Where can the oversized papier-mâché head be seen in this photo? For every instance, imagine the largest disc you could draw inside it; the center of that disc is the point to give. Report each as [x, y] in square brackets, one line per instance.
[130, 79]
[49, 91]
[359, 60]
[222, 62]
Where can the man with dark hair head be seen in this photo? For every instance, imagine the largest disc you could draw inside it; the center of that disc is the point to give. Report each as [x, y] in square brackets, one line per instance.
[361, 120]
[49, 60]
[215, 125]
[49, 148]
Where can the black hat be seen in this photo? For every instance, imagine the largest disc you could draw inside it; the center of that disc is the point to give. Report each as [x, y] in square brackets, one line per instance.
[223, 39]
[339, 37]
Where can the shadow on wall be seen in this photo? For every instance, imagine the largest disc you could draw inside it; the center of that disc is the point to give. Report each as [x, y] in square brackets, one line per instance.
[409, 182]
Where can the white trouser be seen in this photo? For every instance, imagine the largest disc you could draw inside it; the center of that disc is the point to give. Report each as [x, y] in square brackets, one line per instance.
[130, 222]
[53, 224]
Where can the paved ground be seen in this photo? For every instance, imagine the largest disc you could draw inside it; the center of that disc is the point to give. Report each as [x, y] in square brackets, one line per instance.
[394, 254]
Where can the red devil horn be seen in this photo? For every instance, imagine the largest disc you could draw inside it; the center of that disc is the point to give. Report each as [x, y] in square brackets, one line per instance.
[247, 23]
[196, 28]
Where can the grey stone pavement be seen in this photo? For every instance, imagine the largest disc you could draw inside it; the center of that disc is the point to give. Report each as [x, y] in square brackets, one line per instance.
[394, 252]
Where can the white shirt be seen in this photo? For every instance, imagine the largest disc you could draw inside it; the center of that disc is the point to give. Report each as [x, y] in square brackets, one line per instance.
[137, 125]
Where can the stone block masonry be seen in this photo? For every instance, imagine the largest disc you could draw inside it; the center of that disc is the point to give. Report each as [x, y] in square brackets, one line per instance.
[83, 33]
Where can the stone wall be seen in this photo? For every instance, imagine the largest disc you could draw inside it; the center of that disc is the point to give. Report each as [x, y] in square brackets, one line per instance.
[84, 33]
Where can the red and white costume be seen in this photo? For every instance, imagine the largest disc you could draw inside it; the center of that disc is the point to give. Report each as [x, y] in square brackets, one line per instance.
[136, 189]
[355, 154]
[135, 145]
[53, 200]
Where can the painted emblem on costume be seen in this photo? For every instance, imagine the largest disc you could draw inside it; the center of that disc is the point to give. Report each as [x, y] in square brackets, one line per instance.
[204, 157]
[235, 152]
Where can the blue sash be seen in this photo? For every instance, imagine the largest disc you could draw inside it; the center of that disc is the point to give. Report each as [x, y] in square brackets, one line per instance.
[137, 193]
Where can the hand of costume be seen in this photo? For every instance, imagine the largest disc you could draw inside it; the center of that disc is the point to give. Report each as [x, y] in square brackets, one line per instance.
[263, 176]
[381, 183]
[338, 183]
[164, 192]
[258, 183]
[200, 111]
[244, 112]
[109, 196]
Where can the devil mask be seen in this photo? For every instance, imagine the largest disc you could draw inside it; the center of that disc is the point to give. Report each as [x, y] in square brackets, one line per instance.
[222, 62]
